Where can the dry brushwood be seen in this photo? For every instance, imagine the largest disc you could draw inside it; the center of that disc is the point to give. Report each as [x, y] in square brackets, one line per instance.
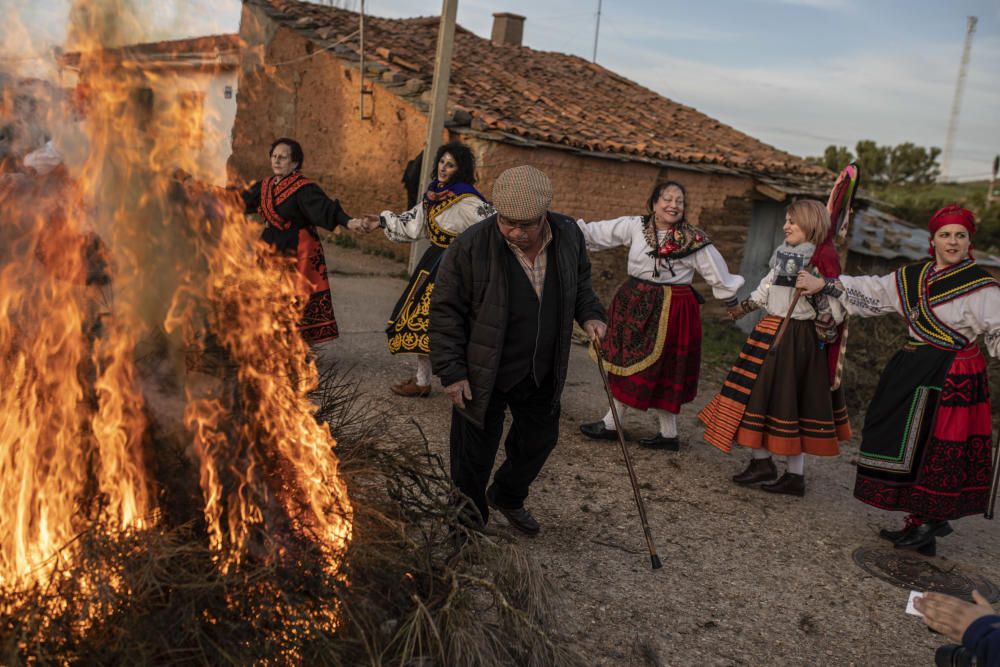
[417, 588]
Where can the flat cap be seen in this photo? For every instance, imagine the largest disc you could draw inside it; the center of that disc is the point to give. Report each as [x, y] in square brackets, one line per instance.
[522, 193]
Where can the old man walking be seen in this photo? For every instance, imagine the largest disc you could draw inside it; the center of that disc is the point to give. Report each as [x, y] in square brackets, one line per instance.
[501, 318]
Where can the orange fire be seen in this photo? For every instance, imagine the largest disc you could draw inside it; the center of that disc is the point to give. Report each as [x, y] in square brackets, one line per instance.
[75, 438]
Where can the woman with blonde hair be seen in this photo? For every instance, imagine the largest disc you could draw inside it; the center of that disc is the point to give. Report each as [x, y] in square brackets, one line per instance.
[777, 400]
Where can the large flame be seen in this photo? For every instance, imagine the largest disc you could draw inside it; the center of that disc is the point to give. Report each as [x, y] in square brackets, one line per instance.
[75, 443]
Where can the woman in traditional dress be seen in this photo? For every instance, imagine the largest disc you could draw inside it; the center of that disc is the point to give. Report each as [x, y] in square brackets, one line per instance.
[653, 347]
[450, 205]
[292, 207]
[925, 445]
[778, 400]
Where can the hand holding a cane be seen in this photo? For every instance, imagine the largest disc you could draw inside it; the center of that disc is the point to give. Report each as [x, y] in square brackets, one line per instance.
[596, 330]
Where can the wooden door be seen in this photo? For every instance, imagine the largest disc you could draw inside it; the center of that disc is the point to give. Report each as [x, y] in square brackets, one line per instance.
[764, 235]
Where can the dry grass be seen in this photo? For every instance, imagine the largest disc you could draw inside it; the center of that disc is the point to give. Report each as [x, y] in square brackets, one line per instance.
[416, 588]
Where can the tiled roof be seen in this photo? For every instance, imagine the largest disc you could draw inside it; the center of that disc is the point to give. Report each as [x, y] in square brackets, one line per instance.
[520, 93]
[177, 50]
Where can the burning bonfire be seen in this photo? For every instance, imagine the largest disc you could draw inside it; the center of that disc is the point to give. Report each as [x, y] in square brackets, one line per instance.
[171, 490]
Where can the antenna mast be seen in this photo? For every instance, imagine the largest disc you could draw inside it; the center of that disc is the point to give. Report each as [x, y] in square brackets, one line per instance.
[949, 142]
[597, 31]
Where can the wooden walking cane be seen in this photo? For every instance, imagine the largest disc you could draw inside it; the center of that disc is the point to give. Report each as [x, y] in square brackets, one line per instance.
[840, 204]
[655, 559]
[992, 501]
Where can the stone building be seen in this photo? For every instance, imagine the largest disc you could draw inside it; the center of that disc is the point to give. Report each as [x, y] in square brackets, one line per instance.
[194, 77]
[603, 140]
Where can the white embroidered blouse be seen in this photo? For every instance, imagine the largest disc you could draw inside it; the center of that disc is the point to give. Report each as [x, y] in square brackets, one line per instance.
[972, 315]
[775, 300]
[465, 211]
[628, 231]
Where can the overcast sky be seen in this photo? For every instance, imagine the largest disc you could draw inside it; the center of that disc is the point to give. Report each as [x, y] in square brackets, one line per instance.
[798, 74]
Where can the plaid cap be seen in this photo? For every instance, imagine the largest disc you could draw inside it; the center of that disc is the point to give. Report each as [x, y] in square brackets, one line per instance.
[522, 193]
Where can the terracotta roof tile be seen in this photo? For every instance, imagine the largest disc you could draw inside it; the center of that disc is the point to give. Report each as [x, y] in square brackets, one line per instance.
[547, 96]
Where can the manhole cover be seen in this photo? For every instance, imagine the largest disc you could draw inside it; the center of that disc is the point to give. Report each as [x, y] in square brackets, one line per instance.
[908, 570]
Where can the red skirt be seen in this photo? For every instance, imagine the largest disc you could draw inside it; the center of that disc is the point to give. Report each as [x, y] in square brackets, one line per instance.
[940, 472]
[653, 348]
[318, 323]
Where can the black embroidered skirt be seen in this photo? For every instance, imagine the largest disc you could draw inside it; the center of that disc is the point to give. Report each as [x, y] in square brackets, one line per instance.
[925, 446]
[407, 328]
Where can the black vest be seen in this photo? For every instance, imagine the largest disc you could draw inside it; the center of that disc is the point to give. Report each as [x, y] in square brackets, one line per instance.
[532, 329]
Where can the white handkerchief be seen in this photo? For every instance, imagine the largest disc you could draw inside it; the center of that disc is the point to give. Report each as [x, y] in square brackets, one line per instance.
[910, 609]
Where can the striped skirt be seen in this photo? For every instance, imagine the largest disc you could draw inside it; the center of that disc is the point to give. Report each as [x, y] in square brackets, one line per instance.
[781, 401]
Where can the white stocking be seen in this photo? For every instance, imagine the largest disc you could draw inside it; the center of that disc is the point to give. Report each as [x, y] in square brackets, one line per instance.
[423, 370]
[797, 464]
[760, 453]
[609, 419]
[668, 423]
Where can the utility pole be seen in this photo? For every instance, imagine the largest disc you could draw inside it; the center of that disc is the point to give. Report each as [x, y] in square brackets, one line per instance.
[597, 31]
[439, 104]
[949, 142]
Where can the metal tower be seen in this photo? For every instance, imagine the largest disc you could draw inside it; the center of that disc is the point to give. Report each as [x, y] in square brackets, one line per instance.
[949, 142]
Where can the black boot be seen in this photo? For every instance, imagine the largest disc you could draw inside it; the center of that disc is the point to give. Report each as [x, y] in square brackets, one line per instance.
[924, 534]
[909, 523]
[598, 431]
[758, 470]
[789, 484]
[660, 442]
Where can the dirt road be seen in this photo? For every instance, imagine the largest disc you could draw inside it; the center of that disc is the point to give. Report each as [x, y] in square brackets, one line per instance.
[748, 578]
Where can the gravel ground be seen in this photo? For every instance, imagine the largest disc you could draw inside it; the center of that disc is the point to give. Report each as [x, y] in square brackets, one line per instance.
[748, 578]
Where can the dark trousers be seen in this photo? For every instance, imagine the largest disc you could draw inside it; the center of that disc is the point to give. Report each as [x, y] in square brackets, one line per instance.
[532, 437]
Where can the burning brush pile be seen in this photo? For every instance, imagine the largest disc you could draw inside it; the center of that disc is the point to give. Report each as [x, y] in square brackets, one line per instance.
[171, 490]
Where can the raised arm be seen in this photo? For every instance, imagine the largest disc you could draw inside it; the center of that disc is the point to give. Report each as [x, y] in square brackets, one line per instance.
[710, 265]
[405, 227]
[868, 296]
[607, 234]
[982, 312]
[319, 209]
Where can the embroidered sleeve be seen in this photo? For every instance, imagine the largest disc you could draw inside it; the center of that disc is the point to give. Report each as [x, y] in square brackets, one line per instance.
[464, 213]
[982, 315]
[710, 265]
[747, 306]
[405, 227]
[870, 296]
[607, 234]
[825, 321]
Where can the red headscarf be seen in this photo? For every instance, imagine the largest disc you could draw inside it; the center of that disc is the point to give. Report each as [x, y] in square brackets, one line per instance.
[952, 215]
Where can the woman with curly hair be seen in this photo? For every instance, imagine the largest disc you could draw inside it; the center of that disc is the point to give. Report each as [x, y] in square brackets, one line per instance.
[450, 205]
[652, 350]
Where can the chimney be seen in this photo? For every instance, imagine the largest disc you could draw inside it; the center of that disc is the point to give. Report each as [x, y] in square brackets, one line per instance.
[508, 29]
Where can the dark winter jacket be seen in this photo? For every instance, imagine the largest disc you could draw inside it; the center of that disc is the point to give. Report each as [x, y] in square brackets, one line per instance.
[469, 306]
[982, 639]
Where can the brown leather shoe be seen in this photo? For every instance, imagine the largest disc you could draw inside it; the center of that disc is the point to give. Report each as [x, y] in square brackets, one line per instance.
[409, 387]
[758, 470]
[789, 484]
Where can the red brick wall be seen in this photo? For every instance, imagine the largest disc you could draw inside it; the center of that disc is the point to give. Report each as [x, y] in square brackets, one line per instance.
[316, 101]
